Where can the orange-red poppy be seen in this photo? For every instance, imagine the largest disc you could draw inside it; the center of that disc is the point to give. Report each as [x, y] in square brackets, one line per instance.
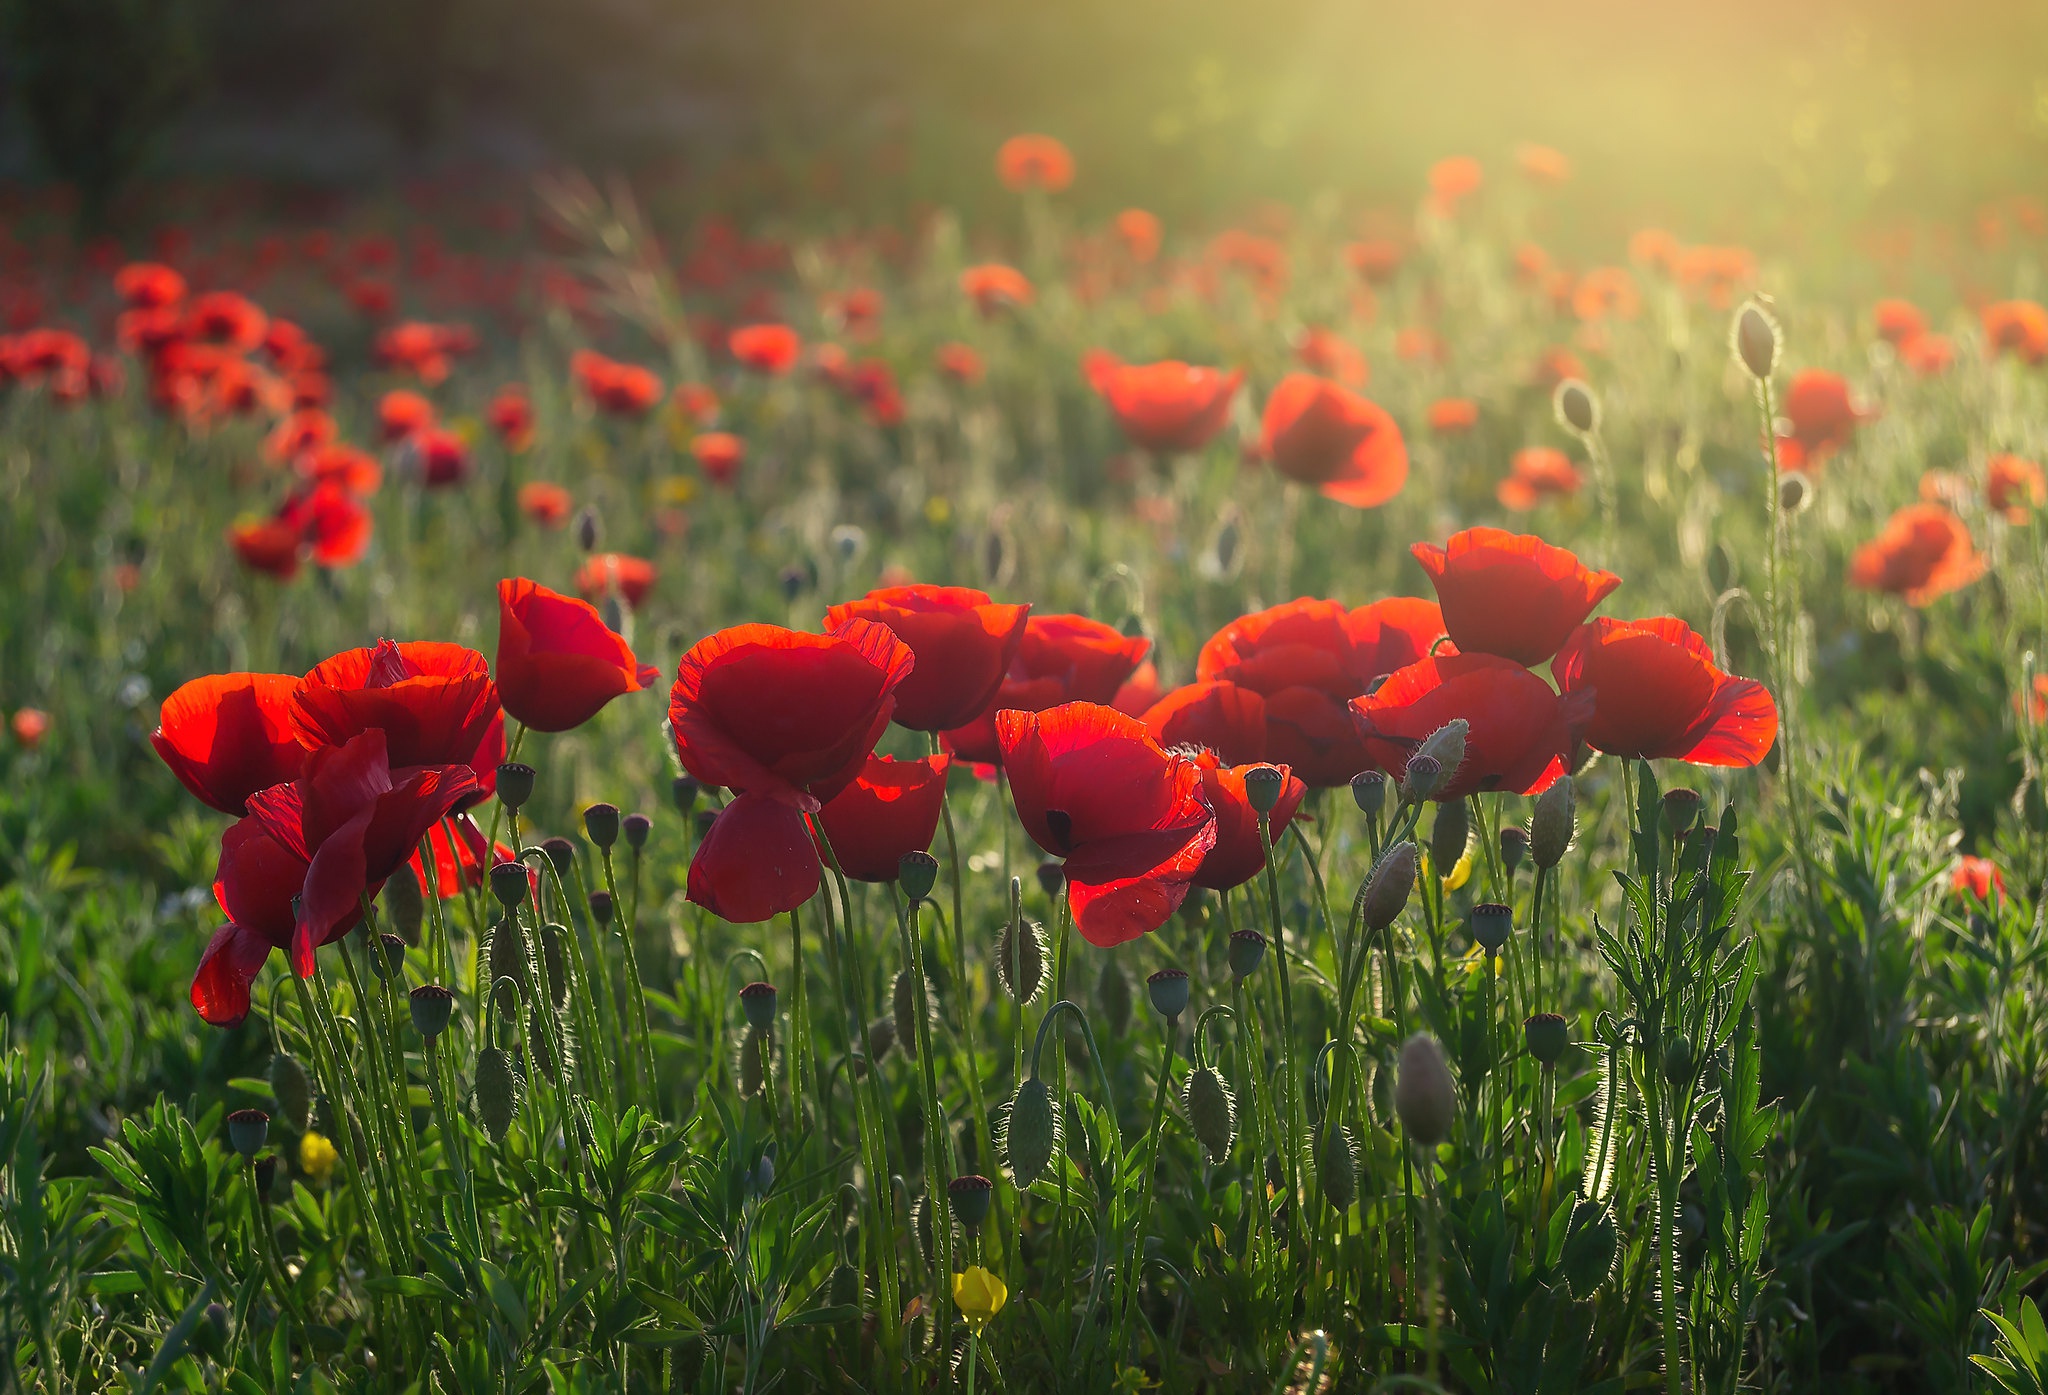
[1930, 355]
[963, 643]
[960, 362]
[149, 285]
[1978, 877]
[1453, 416]
[994, 287]
[765, 348]
[229, 735]
[511, 416]
[1537, 473]
[546, 503]
[401, 412]
[1898, 320]
[434, 702]
[1218, 715]
[1318, 433]
[1375, 260]
[1824, 417]
[603, 573]
[2018, 327]
[558, 663]
[719, 454]
[1321, 351]
[1923, 553]
[1453, 180]
[1518, 735]
[1240, 851]
[1606, 293]
[1060, 658]
[1166, 407]
[1140, 234]
[1658, 695]
[2014, 486]
[1511, 594]
[29, 726]
[1034, 162]
[891, 809]
[621, 389]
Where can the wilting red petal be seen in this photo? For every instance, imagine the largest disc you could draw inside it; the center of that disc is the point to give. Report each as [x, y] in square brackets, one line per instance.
[757, 861]
[229, 735]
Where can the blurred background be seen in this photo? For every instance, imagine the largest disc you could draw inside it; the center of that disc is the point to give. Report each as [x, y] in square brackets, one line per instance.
[1729, 114]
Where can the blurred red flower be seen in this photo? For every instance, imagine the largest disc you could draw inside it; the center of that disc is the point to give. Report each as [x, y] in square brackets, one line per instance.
[1224, 717]
[2014, 486]
[605, 572]
[1898, 321]
[994, 287]
[1452, 181]
[268, 545]
[1319, 434]
[960, 362]
[1823, 414]
[1140, 234]
[719, 455]
[1321, 351]
[963, 643]
[1658, 696]
[622, 389]
[1034, 162]
[1166, 407]
[1978, 877]
[1452, 416]
[1511, 594]
[1519, 733]
[226, 319]
[149, 285]
[402, 412]
[2017, 327]
[29, 726]
[1923, 553]
[558, 662]
[511, 416]
[765, 348]
[1535, 474]
[546, 503]
[890, 809]
[1375, 260]
[1543, 164]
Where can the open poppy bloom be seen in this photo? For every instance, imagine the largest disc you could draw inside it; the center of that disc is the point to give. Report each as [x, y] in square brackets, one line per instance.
[1140, 233]
[1094, 788]
[892, 808]
[2018, 327]
[1535, 474]
[1034, 162]
[511, 416]
[1658, 696]
[619, 389]
[1453, 416]
[1978, 877]
[1307, 659]
[1452, 181]
[1923, 553]
[787, 720]
[765, 348]
[1139, 693]
[400, 413]
[964, 644]
[545, 502]
[1898, 321]
[334, 523]
[1166, 407]
[1240, 853]
[1220, 716]
[1511, 594]
[719, 455]
[356, 471]
[994, 287]
[459, 861]
[558, 662]
[2014, 486]
[1823, 415]
[605, 572]
[434, 702]
[1060, 658]
[1519, 733]
[228, 735]
[1322, 435]
[227, 319]
[1375, 260]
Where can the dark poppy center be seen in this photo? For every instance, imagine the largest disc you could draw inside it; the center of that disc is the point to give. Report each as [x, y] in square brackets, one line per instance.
[1061, 825]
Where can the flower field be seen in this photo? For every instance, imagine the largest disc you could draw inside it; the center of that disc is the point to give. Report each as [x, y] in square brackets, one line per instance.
[1329, 800]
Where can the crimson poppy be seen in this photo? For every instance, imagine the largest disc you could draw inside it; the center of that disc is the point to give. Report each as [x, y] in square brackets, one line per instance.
[1167, 407]
[149, 285]
[511, 416]
[1511, 594]
[1240, 851]
[1658, 695]
[604, 572]
[1221, 716]
[334, 523]
[228, 735]
[400, 413]
[434, 702]
[558, 662]
[356, 471]
[1519, 733]
[756, 860]
[2017, 327]
[719, 455]
[765, 348]
[272, 546]
[891, 809]
[963, 642]
[1061, 658]
[1923, 553]
[1978, 877]
[546, 503]
[1034, 162]
[459, 860]
[621, 389]
[1094, 788]
[1318, 433]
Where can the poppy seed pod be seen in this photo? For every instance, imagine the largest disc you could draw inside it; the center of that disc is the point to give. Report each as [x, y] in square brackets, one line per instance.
[1514, 846]
[1681, 809]
[292, 1089]
[266, 1176]
[683, 792]
[636, 828]
[1113, 995]
[1212, 1113]
[1425, 1096]
[1420, 779]
[509, 884]
[601, 822]
[1755, 339]
[1031, 1132]
[757, 1000]
[387, 957]
[764, 1171]
[1546, 1036]
[1168, 989]
[1449, 835]
[432, 1007]
[1369, 792]
[1388, 888]
[403, 905]
[1576, 407]
[561, 855]
[1795, 491]
[1020, 960]
[1262, 786]
[1247, 950]
[515, 784]
[847, 1291]
[1678, 1062]
[507, 951]
[1552, 825]
[601, 907]
[1491, 925]
[497, 1092]
[247, 1129]
[1445, 746]
[970, 1197]
[917, 873]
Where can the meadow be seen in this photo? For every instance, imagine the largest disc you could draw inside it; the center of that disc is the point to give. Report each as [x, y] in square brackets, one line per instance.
[1333, 800]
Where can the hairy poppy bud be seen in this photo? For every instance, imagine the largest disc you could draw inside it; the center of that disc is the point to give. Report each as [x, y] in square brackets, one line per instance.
[292, 1090]
[1031, 1132]
[636, 828]
[757, 1000]
[404, 907]
[846, 1287]
[387, 957]
[1168, 989]
[881, 1036]
[1514, 846]
[1755, 337]
[432, 1007]
[1492, 923]
[601, 822]
[1020, 960]
[1051, 877]
[589, 532]
[917, 873]
[1552, 825]
[561, 855]
[1445, 746]
[970, 1197]
[1420, 780]
[507, 956]
[601, 908]
[554, 961]
[1369, 792]
[1388, 888]
[683, 792]
[539, 1045]
[497, 1092]
[1425, 1096]
[904, 1002]
[1262, 785]
[1576, 407]
[509, 884]
[1212, 1113]
[1337, 1167]
[1681, 807]
[1113, 995]
[515, 784]
[247, 1128]
[1546, 1036]
[1247, 949]
[1449, 835]
[1678, 1062]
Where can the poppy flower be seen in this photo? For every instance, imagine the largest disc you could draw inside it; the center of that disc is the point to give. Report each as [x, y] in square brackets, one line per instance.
[546, 503]
[1606, 293]
[1166, 407]
[1978, 877]
[1240, 852]
[765, 348]
[2017, 327]
[1543, 164]
[1140, 233]
[269, 545]
[620, 389]
[1658, 696]
[872, 383]
[892, 808]
[356, 471]
[29, 726]
[402, 412]
[1034, 162]
[1535, 474]
[1923, 553]
[1929, 355]
[558, 662]
[511, 416]
[1453, 180]
[1320, 434]
[460, 862]
[434, 702]
[1140, 692]
[1060, 658]
[1518, 736]
[298, 433]
[605, 572]
[1320, 351]
[1453, 416]
[963, 642]
[1823, 414]
[697, 402]
[994, 287]
[335, 525]
[149, 285]
[1375, 260]
[1654, 247]
[1511, 594]
[2014, 486]
[1898, 321]
[440, 458]
[1224, 717]
[719, 455]
[227, 319]
[1094, 788]
[960, 362]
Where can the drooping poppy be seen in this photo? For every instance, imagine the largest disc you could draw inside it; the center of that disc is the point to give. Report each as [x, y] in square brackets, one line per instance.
[558, 662]
[1537, 473]
[1224, 717]
[964, 644]
[602, 573]
[1923, 553]
[1519, 733]
[892, 808]
[1060, 658]
[434, 702]
[765, 348]
[2014, 486]
[1657, 695]
[1034, 162]
[1094, 788]
[1240, 853]
[228, 735]
[1511, 594]
[1167, 407]
[1319, 434]
[994, 287]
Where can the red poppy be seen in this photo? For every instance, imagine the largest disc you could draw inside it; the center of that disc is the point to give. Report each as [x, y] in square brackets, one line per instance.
[605, 572]
[334, 523]
[1139, 232]
[29, 726]
[229, 735]
[558, 662]
[1535, 474]
[2014, 486]
[298, 433]
[993, 287]
[356, 471]
[1898, 320]
[511, 416]
[1606, 293]
[1543, 164]
[891, 809]
[1320, 351]
[1511, 594]
[1240, 852]
[459, 862]
[719, 455]
[440, 457]
[765, 348]
[1140, 692]
[2017, 327]
[1061, 658]
[1094, 788]
[697, 402]
[545, 503]
[1923, 553]
[622, 389]
[400, 413]
[1978, 877]
[1034, 162]
[1658, 696]
[1929, 355]
[964, 643]
[1375, 260]
[1166, 407]
[756, 860]
[268, 545]
[1519, 733]
[1453, 180]
[149, 285]
[1226, 718]
[1452, 416]
[960, 362]
[434, 702]
[1823, 414]
[1318, 433]
[229, 320]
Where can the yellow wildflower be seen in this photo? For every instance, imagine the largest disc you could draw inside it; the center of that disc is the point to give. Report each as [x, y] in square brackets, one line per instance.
[317, 1157]
[980, 1296]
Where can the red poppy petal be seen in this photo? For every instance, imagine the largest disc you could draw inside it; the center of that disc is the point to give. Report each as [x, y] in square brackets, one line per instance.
[227, 969]
[756, 862]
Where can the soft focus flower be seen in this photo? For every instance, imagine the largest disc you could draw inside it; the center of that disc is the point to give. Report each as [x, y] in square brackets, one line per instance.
[2014, 486]
[1923, 553]
[1375, 260]
[149, 285]
[29, 725]
[963, 642]
[1511, 594]
[1321, 351]
[1140, 234]
[891, 808]
[1929, 355]
[606, 573]
[1978, 877]
[1453, 180]
[1166, 407]
[960, 362]
[1543, 164]
[546, 503]
[719, 454]
[994, 287]
[620, 389]
[317, 1157]
[402, 412]
[1898, 320]
[1034, 162]
[979, 1295]
[1518, 735]
[1320, 434]
[558, 662]
[511, 416]
[1535, 474]
[1658, 695]
[269, 545]
[765, 348]
[2018, 327]
[1453, 416]
[1823, 414]
[1060, 658]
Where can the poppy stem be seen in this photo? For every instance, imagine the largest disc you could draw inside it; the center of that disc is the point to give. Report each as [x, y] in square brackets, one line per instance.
[938, 1138]
[1296, 1126]
[643, 1046]
[963, 987]
[1134, 1276]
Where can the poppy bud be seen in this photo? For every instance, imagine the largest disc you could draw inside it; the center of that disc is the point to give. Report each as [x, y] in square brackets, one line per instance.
[1031, 1132]
[846, 1286]
[509, 884]
[1576, 407]
[1020, 960]
[757, 1000]
[1425, 1096]
[555, 962]
[1369, 792]
[683, 792]
[704, 819]
[432, 1007]
[589, 532]
[917, 873]
[1247, 949]
[1756, 340]
[794, 579]
[497, 1092]
[1491, 925]
[515, 784]
[404, 907]
[1678, 1063]
[1681, 808]
[601, 907]
[1514, 846]
[636, 828]
[1388, 888]
[601, 822]
[1168, 990]
[970, 1197]
[1113, 995]
[1051, 877]
[1212, 1113]
[1337, 1167]
[1446, 746]
[507, 951]
[764, 1172]
[1795, 491]
[1449, 835]
[1262, 785]
[541, 1048]
[292, 1090]
[266, 1175]
[881, 1036]
[612, 611]
[904, 1003]
[1420, 780]
[1552, 825]
[1547, 1037]
[247, 1128]
[211, 1336]
[387, 957]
